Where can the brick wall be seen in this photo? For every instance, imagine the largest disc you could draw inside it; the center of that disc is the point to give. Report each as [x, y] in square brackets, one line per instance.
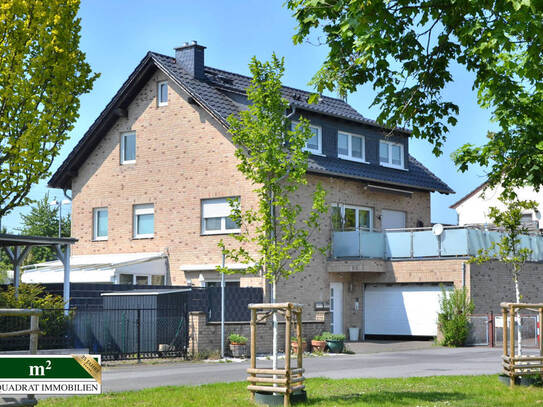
[206, 336]
[492, 283]
[313, 284]
[181, 158]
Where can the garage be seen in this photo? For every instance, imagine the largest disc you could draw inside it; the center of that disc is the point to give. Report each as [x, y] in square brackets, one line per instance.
[402, 309]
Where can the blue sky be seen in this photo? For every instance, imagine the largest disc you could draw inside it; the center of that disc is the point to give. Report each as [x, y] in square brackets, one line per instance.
[117, 34]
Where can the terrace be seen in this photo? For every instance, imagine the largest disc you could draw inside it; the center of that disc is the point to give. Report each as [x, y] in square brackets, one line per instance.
[417, 243]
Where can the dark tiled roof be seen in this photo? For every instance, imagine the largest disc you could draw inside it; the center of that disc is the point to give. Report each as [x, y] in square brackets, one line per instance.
[417, 176]
[217, 96]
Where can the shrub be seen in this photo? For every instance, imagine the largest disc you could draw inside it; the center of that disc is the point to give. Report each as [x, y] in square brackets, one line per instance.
[318, 338]
[237, 339]
[53, 322]
[328, 336]
[295, 339]
[453, 317]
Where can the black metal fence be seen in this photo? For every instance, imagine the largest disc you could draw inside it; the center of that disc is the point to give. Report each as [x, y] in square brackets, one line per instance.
[128, 328]
[131, 333]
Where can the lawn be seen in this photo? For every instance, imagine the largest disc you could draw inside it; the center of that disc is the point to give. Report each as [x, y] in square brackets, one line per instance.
[457, 391]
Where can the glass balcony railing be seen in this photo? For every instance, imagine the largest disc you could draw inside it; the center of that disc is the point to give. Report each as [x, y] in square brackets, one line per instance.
[421, 242]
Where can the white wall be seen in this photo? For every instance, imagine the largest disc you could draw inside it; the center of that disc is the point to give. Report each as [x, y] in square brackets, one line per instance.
[476, 208]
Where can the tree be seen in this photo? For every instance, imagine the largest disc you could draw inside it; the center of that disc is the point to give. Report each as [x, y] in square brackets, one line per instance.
[42, 220]
[42, 75]
[508, 249]
[405, 49]
[271, 156]
[453, 318]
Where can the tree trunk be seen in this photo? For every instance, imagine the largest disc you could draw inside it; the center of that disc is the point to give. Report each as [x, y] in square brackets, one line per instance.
[275, 329]
[519, 324]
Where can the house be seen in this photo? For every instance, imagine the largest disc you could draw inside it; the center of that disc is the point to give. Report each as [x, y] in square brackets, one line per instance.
[154, 171]
[474, 207]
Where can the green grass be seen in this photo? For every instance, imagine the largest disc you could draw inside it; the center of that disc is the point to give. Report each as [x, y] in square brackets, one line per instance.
[457, 391]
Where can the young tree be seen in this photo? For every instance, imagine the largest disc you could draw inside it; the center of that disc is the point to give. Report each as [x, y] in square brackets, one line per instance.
[405, 49]
[42, 75]
[42, 220]
[507, 250]
[271, 156]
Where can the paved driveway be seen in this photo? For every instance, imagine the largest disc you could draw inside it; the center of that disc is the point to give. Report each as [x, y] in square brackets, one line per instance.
[423, 362]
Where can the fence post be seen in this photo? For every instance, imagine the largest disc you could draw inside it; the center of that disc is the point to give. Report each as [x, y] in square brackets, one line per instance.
[34, 327]
[491, 330]
[138, 325]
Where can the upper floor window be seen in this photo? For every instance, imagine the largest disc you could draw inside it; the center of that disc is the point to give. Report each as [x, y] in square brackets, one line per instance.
[162, 92]
[348, 218]
[391, 154]
[99, 224]
[144, 221]
[350, 147]
[128, 148]
[216, 217]
[314, 143]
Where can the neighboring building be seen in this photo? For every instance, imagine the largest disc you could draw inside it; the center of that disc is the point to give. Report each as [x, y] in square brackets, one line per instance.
[473, 209]
[154, 171]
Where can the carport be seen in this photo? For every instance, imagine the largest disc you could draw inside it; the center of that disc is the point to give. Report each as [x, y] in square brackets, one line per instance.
[17, 248]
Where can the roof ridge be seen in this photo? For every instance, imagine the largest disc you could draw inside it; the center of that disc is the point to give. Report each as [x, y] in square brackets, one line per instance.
[249, 78]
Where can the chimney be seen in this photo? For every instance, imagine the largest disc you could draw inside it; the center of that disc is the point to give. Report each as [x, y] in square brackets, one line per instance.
[190, 57]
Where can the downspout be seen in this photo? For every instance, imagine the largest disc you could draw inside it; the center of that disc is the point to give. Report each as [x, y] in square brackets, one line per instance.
[463, 274]
[288, 116]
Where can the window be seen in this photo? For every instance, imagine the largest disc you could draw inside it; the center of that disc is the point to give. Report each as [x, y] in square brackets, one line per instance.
[126, 279]
[314, 143]
[351, 218]
[157, 280]
[391, 154]
[144, 221]
[350, 147]
[142, 280]
[162, 93]
[100, 224]
[128, 148]
[216, 217]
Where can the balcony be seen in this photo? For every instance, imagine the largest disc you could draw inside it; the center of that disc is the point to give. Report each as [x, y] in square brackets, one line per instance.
[421, 242]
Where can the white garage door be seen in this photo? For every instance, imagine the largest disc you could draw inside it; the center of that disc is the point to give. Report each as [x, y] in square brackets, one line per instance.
[401, 309]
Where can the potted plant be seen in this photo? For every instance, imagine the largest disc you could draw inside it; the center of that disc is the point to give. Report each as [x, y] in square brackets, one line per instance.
[294, 344]
[238, 345]
[334, 341]
[318, 344]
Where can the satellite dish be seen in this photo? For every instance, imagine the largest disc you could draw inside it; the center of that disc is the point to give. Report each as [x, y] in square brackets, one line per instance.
[437, 229]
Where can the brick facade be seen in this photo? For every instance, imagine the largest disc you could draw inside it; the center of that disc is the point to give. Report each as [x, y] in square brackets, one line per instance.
[181, 158]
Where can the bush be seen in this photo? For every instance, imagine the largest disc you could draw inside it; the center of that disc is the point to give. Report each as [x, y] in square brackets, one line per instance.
[318, 338]
[328, 336]
[453, 317]
[53, 322]
[237, 339]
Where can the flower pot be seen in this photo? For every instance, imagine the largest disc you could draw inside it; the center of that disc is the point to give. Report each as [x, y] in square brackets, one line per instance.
[353, 334]
[335, 346]
[238, 350]
[294, 346]
[318, 346]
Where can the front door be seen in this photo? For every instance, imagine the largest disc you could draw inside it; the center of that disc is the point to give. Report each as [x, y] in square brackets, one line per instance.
[336, 307]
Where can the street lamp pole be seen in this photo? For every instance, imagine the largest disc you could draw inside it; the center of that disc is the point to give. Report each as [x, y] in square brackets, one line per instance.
[59, 204]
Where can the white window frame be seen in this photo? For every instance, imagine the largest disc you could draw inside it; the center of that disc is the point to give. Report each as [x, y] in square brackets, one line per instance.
[349, 155]
[319, 138]
[389, 163]
[159, 101]
[95, 212]
[223, 229]
[123, 142]
[142, 209]
[357, 208]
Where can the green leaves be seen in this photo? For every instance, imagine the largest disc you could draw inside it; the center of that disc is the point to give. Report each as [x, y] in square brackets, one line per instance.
[42, 75]
[405, 50]
[271, 156]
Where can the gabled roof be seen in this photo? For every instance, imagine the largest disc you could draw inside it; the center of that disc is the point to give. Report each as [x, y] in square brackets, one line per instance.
[221, 94]
[468, 195]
